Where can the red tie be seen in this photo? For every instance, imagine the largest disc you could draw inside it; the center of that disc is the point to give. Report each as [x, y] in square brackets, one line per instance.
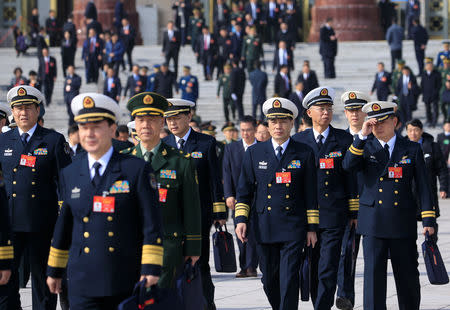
[46, 67]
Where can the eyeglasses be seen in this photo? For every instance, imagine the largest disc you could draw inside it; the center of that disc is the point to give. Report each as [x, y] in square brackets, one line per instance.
[323, 109]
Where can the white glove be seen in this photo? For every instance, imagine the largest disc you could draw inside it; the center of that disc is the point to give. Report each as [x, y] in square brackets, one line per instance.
[234, 97]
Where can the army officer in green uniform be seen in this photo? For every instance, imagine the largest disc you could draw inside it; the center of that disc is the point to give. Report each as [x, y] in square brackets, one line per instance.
[176, 180]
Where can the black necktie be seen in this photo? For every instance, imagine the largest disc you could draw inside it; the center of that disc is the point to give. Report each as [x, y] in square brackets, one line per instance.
[24, 138]
[181, 143]
[97, 176]
[386, 151]
[320, 141]
[279, 152]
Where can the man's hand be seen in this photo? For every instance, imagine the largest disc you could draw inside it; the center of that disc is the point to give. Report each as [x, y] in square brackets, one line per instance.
[194, 259]
[368, 126]
[4, 276]
[423, 46]
[230, 202]
[54, 285]
[233, 96]
[443, 195]
[311, 238]
[353, 222]
[430, 230]
[241, 232]
[409, 85]
[221, 222]
[151, 280]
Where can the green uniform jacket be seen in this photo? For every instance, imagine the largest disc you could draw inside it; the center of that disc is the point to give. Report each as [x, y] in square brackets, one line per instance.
[224, 82]
[396, 74]
[444, 73]
[178, 195]
[252, 49]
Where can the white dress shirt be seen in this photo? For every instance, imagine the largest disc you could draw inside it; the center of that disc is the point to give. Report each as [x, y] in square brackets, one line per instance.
[391, 144]
[324, 134]
[29, 132]
[246, 146]
[284, 146]
[282, 56]
[104, 160]
[186, 136]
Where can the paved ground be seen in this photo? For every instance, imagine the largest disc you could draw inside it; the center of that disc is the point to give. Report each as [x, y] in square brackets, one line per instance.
[355, 66]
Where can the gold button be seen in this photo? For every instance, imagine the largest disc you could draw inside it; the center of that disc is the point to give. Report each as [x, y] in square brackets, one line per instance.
[34, 170]
[328, 172]
[158, 240]
[326, 195]
[33, 183]
[287, 208]
[381, 179]
[380, 190]
[14, 182]
[14, 195]
[109, 218]
[269, 208]
[357, 196]
[168, 185]
[395, 203]
[86, 234]
[396, 192]
[269, 196]
[111, 249]
[326, 183]
[9, 242]
[287, 184]
[32, 196]
[15, 170]
[396, 180]
[287, 196]
[175, 234]
[110, 234]
[380, 202]
[269, 185]
[86, 250]
[85, 219]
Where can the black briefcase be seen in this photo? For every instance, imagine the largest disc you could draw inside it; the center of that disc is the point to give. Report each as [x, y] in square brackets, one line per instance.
[305, 272]
[437, 274]
[153, 299]
[224, 255]
[189, 287]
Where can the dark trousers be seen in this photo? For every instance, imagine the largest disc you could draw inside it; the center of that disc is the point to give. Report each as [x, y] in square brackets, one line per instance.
[239, 106]
[173, 54]
[395, 55]
[228, 105]
[24, 269]
[183, 33]
[91, 71]
[255, 108]
[432, 111]
[272, 28]
[221, 60]
[328, 65]
[403, 255]
[330, 252]
[129, 53]
[64, 296]
[205, 269]
[172, 260]
[383, 96]
[405, 111]
[346, 275]
[207, 62]
[96, 303]
[38, 245]
[68, 101]
[420, 56]
[280, 266]
[48, 85]
[248, 257]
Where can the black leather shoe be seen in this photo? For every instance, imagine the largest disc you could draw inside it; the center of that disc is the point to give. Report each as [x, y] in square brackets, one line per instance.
[241, 274]
[344, 304]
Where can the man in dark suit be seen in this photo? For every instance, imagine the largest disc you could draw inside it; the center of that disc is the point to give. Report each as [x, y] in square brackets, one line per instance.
[128, 36]
[221, 15]
[308, 77]
[74, 140]
[336, 189]
[109, 208]
[92, 56]
[165, 81]
[412, 13]
[391, 166]
[271, 13]
[232, 165]
[254, 9]
[119, 14]
[206, 52]
[431, 83]
[68, 50]
[72, 85]
[202, 149]
[283, 86]
[112, 86]
[297, 97]
[420, 36]
[31, 159]
[135, 83]
[237, 39]
[91, 10]
[283, 56]
[224, 50]
[237, 81]
[258, 80]
[53, 28]
[381, 83]
[284, 34]
[407, 91]
[94, 24]
[47, 74]
[6, 247]
[328, 48]
[182, 12]
[278, 181]
[171, 45]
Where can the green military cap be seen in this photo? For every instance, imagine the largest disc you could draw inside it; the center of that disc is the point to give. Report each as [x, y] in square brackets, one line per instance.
[208, 128]
[147, 103]
[429, 60]
[401, 62]
[228, 126]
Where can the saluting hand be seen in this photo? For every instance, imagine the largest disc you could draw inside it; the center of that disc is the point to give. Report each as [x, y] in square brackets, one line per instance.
[311, 238]
[4, 276]
[368, 126]
[151, 280]
[241, 232]
[54, 285]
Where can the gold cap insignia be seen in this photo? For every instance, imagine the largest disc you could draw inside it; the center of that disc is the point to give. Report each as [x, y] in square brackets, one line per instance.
[21, 92]
[376, 107]
[352, 95]
[88, 102]
[148, 99]
[324, 92]
[276, 104]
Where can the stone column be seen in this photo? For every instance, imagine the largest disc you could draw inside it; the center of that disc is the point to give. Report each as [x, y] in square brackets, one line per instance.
[353, 20]
[105, 13]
